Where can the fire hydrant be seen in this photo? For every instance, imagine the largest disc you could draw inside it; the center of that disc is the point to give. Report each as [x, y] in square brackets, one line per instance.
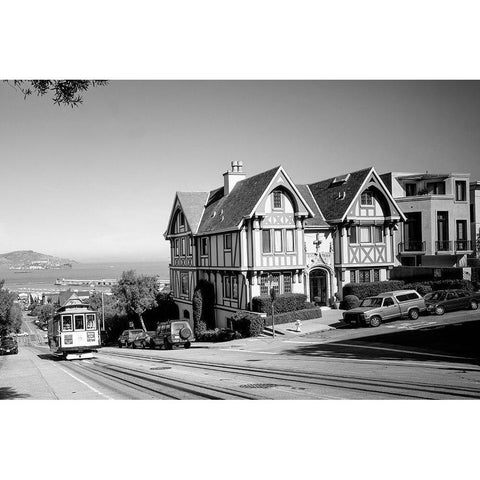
[298, 325]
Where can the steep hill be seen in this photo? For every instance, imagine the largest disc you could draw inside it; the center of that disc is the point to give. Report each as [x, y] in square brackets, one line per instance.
[27, 257]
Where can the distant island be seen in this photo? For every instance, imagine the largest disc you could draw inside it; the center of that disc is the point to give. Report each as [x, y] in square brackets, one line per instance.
[23, 260]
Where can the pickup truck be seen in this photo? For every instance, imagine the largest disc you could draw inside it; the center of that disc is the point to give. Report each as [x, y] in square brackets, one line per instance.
[386, 306]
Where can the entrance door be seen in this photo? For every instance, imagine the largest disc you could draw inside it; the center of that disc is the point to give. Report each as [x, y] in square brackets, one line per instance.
[318, 286]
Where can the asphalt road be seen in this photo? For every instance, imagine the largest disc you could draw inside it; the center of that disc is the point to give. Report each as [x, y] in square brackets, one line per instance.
[431, 358]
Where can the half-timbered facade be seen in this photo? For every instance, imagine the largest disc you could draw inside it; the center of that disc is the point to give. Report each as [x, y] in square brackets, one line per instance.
[244, 238]
[363, 216]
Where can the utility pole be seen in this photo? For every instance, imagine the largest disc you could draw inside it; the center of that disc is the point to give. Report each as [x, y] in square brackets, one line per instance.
[103, 314]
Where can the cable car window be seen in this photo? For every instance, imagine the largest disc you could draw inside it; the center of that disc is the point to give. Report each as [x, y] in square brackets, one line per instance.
[67, 322]
[91, 321]
[79, 322]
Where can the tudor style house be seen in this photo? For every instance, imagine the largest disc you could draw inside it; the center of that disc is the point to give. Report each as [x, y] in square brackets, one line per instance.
[245, 238]
[363, 218]
[264, 232]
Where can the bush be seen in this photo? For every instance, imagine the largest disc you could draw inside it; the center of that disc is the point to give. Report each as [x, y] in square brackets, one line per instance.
[286, 302]
[445, 284]
[349, 302]
[203, 307]
[421, 288]
[219, 335]
[363, 290]
[248, 324]
[288, 317]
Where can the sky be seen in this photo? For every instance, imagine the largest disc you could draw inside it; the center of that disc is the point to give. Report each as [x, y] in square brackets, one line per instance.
[98, 182]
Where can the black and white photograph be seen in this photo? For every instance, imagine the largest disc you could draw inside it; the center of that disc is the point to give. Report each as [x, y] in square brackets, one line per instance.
[302, 243]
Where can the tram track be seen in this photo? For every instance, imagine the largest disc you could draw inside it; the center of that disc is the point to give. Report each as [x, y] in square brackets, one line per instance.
[393, 388]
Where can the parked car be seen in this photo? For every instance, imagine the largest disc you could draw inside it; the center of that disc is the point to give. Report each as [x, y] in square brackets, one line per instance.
[443, 301]
[172, 333]
[8, 345]
[143, 339]
[127, 337]
[386, 306]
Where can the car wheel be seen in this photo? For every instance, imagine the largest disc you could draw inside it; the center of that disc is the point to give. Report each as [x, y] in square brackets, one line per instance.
[152, 345]
[167, 344]
[144, 344]
[473, 305]
[188, 345]
[413, 314]
[119, 344]
[133, 345]
[375, 321]
[440, 310]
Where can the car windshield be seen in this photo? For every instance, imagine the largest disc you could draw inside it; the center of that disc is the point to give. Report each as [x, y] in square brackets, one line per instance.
[372, 302]
[436, 296]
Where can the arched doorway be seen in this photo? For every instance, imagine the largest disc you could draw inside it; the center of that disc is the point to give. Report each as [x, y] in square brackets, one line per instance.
[318, 285]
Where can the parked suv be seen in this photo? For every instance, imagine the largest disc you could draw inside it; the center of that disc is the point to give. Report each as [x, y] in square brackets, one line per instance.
[127, 337]
[172, 333]
[386, 306]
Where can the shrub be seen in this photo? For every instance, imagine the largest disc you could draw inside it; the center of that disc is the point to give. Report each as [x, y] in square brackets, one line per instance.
[248, 324]
[363, 290]
[219, 335]
[421, 288]
[445, 284]
[203, 307]
[288, 317]
[285, 302]
[349, 302]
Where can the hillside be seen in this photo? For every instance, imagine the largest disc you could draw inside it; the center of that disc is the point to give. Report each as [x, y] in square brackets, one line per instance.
[25, 258]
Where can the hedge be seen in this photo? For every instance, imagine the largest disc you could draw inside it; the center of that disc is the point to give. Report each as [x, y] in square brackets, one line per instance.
[288, 317]
[219, 335]
[363, 290]
[285, 302]
[349, 302]
[426, 287]
[248, 324]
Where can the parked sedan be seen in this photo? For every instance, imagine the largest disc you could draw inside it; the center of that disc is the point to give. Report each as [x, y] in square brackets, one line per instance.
[8, 346]
[143, 339]
[127, 337]
[443, 301]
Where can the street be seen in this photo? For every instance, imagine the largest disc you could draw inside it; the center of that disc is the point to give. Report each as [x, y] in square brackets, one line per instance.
[431, 358]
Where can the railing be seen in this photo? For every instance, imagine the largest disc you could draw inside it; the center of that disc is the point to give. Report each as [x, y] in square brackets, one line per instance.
[443, 245]
[412, 246]
[462, 245]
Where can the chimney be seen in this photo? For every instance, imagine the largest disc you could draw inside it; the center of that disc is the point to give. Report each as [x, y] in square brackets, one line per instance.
[230, 179]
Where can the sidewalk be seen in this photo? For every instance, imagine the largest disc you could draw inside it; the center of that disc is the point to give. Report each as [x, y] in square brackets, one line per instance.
[328, 321]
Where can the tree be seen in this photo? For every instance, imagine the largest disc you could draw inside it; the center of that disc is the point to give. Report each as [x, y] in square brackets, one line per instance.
[203, 307]
[64, 92]
[9, 320]
[136, 294]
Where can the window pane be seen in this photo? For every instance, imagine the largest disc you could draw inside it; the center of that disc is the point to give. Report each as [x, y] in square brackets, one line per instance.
[184, 281]
[410, 189]
[263, 285]
[226, 285]
[234, 287]
[352, 276]
[364, 276]
[366, 198]
[277, 199]
[353, 235]
[182, 246]
[290, 240]
[67, 322]
[278, 241]
[266, 241]
[79, 322]
[461, 189]
[287, 283]
[91, 322]
[376, 275]
[378, 231]
[365, 235]
[228, 241]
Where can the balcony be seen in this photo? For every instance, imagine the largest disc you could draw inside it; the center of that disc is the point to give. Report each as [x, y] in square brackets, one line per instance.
[443, 246]
[463, 245]
[412, 246]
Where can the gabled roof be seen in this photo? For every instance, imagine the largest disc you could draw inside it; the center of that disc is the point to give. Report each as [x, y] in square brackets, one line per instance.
[225, 212]
[318, 220]
[192, 204]
[334, 198]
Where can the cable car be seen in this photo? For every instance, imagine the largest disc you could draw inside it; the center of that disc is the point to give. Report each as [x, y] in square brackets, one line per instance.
[73, 332]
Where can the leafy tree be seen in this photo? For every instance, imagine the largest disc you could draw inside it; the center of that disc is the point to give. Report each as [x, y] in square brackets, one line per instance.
[166, 309]
[47, 312]
[203, 307]
[136, 294]
[63, 92]
[9, 321]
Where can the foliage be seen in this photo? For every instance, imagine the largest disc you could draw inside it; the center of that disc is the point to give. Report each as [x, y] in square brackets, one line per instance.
[363, 290]
[166, 309]
[289, 317]
[426, 287]
[47, 312]
[64, 92]
[349, 302]
[248, 324]
[421, 287]
[203, 307]
[285, 302]
[219, 335]
[15, 317]
[8, 311]
[135, 294]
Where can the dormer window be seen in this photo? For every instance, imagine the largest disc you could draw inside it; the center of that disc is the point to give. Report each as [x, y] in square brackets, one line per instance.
[366, 198]
[277, 200]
